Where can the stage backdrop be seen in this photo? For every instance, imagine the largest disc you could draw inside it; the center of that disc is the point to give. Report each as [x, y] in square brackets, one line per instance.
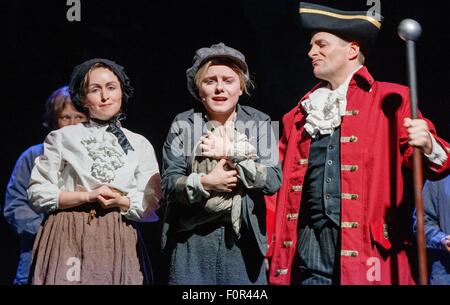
[156, 40]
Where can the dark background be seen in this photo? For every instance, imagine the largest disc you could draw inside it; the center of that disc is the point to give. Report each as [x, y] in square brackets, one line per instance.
[156, 40]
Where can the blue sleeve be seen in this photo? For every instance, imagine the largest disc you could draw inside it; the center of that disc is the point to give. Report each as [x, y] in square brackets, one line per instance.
[265, 174]
[269, 157]
[17, 210]
[433, 232]
[174, 164]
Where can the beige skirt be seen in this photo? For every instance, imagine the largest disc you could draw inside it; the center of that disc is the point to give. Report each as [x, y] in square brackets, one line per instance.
[89, 245]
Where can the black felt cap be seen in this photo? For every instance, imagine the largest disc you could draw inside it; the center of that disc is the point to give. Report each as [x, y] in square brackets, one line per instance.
[77, 78]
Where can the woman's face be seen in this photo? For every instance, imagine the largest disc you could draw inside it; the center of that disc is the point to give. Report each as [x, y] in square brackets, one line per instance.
[70, 116]
[103, 94]
[220, 89]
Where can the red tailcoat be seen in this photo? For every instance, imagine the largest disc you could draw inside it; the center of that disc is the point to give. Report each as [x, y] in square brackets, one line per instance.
[374, 147]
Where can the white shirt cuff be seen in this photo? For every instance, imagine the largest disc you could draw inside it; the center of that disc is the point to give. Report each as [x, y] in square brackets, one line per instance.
[438, 155]
[194, 188]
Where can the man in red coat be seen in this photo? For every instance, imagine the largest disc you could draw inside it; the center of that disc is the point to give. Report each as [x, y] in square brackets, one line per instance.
[340, 213]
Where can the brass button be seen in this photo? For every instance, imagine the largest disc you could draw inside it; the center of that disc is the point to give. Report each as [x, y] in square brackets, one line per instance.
[296, 188]
[349, 196]
[350, 168]
[281, 272]
[349, 139]
[353, 112]
[287, 243]
[349, 224]
[291, 216]
[385, 231]
[302, 161]
[352, 253]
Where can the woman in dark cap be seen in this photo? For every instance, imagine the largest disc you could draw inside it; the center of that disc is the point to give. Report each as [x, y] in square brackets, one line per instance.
[219, 160]
[94, 180]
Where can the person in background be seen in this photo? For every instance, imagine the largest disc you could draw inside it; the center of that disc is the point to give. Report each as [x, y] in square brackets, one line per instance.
[59, 112]
[436, 202]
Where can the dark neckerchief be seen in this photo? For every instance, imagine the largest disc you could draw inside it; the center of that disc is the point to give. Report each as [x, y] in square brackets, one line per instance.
[114, 128]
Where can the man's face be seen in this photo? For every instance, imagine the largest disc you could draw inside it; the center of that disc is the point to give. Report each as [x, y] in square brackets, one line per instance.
[329, 55]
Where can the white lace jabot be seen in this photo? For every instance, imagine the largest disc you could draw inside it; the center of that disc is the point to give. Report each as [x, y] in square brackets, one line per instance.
[325, 108]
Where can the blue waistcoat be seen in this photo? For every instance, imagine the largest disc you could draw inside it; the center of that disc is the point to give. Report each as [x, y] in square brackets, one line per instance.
[322, 193]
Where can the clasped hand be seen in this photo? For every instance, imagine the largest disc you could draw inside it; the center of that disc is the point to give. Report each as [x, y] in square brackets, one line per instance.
[216, 144]
[109, 198]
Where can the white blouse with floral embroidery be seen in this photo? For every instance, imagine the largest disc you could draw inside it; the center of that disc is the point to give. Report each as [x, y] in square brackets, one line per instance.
[84, 157]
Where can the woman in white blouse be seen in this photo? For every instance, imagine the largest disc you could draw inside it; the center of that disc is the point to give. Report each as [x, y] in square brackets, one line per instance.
[94, 180]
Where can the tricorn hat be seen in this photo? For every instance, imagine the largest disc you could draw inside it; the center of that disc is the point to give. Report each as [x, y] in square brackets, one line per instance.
[360, 26]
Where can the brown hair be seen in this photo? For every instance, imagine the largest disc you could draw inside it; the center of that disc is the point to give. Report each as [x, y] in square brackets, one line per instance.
[54, 106]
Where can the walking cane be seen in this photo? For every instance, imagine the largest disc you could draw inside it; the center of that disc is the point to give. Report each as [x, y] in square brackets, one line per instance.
[409, 30]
